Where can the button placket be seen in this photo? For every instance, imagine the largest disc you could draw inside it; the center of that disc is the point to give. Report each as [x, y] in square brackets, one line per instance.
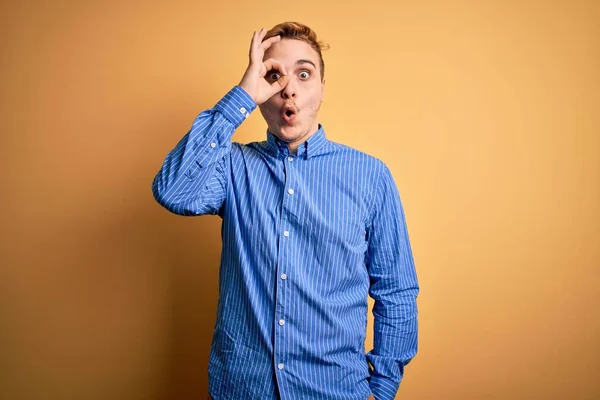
[283, 265]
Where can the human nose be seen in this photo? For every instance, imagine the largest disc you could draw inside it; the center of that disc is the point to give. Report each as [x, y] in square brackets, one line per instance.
[289, 91]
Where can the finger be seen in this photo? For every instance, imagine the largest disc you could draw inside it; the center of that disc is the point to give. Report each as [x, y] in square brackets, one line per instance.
[267, 43]
[261, 34]
[271, 64]
[252, 46]
[255, 54]
[281, 83]
[257, 39]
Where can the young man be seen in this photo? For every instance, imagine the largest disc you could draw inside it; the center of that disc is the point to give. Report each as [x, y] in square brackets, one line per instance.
[310, 229]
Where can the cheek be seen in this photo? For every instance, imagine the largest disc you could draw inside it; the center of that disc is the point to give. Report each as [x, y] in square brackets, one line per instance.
[315, 94]
[315, 102]
[268, 109]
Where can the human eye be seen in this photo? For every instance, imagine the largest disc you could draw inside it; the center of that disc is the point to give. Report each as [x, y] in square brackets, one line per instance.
[305, 74]
[273, 75]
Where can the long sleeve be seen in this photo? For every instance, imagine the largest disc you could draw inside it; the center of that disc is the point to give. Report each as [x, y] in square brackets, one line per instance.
[394, 288]
[193, 177]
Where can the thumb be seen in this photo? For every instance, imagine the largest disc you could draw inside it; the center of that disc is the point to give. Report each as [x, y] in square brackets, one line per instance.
[281, 83]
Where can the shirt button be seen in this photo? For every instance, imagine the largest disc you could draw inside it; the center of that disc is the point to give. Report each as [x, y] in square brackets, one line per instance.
[290, 159]
[291, 191]
[283, 276]
[213, 145]
[280, 366]
[286, 233]
[281, 322]
[243, 110]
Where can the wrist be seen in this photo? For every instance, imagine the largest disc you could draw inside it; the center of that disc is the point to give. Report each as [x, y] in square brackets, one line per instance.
[248, 89]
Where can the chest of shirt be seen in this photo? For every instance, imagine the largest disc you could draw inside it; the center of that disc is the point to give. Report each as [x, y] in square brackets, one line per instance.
[320, 200]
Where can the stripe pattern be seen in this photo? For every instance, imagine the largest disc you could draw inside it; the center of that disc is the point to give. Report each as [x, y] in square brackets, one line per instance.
[307, 237]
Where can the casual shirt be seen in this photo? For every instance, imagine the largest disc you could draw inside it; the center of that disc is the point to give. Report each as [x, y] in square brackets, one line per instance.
[307, 237]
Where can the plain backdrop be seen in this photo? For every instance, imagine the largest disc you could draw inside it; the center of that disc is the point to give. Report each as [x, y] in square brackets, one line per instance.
[486, 112]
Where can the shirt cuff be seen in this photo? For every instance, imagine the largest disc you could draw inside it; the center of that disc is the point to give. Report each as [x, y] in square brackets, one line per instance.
[236, 106]
[385, 376]
[383, 388]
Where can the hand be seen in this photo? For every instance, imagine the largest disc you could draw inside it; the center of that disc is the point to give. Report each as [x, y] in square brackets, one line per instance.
[371, 397]
[254, 81]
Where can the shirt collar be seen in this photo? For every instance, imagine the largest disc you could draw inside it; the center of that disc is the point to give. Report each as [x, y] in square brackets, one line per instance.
[316, 144]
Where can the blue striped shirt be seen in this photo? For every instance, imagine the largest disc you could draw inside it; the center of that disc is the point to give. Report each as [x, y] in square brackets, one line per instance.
[307, 237]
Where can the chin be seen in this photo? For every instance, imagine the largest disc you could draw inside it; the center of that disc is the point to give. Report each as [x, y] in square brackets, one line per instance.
[289, 133]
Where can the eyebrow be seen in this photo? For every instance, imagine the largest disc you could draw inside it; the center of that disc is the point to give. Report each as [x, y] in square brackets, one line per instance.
[300, 62]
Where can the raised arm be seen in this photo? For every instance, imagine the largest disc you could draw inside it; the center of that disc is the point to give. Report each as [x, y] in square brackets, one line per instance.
[193, 177]
[394, 288]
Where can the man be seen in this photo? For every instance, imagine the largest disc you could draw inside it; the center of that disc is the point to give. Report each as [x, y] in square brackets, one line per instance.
[310, 229]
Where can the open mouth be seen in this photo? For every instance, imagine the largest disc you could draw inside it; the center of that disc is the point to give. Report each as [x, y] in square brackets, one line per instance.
[289, 114]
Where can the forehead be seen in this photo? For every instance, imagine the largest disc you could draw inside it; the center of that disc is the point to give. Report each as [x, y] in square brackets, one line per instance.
[288, 51]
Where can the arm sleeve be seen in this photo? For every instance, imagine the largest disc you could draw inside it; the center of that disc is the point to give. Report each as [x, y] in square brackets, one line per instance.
[193, 177]
[394, 288]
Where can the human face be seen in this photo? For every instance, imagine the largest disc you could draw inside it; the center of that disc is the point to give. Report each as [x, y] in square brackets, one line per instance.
[291, 114]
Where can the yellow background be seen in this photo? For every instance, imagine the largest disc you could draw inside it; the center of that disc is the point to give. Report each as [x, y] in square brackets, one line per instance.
[487, 112]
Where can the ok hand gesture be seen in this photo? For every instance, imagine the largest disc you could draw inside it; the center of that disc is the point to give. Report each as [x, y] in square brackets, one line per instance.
[254, 81]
